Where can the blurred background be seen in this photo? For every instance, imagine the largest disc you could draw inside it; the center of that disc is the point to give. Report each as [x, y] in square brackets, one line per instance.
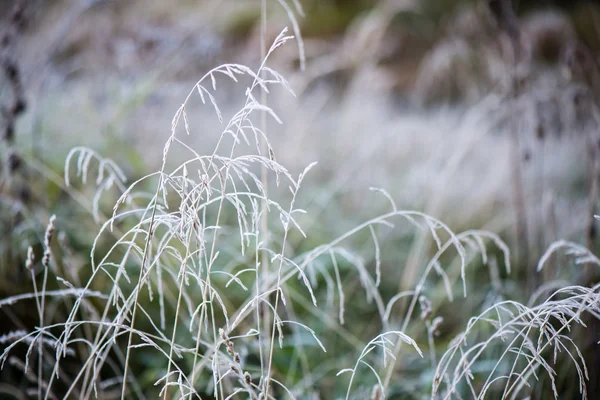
[483, 116]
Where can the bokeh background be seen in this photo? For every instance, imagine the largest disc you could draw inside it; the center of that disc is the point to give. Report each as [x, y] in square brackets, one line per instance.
[427, 99]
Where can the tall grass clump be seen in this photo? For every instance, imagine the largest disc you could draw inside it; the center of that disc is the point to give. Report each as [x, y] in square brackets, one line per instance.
[203, 284]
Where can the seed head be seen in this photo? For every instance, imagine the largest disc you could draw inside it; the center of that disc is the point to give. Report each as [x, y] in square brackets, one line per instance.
[30, 259]
[48, 241]
[425, 307]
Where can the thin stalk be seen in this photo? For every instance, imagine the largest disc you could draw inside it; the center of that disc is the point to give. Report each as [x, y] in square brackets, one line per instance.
[197, 350]
[39, 310]
[177, 309]
[520, 208]
[264, 222]
[137, 290]
[278, 294]
[41, 314]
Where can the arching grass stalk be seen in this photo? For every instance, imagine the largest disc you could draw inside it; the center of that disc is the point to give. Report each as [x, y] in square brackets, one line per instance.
[247, 109]
[455, 241]
[227, 70]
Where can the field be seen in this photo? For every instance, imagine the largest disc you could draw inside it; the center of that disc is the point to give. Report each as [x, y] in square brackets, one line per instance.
[299, 199]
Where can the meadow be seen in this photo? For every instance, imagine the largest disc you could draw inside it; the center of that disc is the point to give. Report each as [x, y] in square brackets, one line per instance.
[291, 199]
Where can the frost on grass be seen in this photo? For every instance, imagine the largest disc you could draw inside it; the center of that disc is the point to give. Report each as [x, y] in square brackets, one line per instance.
[525, 343]
[201, 274]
